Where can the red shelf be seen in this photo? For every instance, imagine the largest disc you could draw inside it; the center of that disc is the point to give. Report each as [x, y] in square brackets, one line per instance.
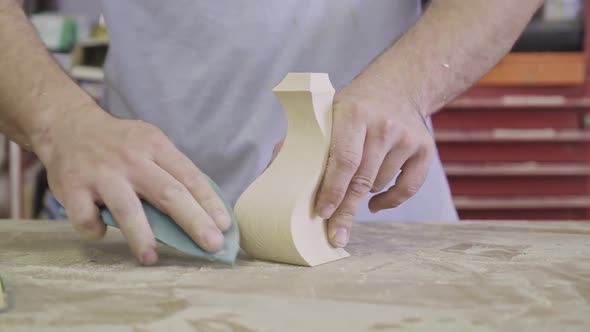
[524, 208]
[516, 145]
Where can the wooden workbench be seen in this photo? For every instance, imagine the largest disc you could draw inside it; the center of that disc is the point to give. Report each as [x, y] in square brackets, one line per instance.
[424, 277]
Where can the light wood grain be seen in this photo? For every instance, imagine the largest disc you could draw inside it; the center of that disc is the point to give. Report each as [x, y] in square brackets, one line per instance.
[276, 212]
[468, 276]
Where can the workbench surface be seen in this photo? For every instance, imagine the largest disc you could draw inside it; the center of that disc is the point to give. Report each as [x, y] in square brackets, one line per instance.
[509, 276]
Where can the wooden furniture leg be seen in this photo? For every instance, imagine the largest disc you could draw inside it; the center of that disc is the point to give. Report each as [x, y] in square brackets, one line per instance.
[275, 213]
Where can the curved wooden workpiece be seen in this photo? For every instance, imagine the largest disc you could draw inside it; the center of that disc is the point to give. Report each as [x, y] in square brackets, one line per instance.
[275, 214]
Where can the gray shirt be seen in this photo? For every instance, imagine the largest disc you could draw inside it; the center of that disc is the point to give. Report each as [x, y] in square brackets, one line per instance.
[203, 72]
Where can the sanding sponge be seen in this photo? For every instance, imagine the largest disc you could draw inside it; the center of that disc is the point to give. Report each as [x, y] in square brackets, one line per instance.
[169, 233]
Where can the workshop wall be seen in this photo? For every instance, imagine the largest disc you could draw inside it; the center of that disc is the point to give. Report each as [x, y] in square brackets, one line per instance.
[515, 146]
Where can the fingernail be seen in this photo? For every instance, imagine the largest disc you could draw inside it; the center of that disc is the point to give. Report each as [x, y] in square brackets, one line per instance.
[222, 219]
[213, 240]
[149, 257]
[340, 238]
[327, 211]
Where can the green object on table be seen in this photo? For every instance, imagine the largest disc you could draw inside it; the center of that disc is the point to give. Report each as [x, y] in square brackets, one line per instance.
[169, 233]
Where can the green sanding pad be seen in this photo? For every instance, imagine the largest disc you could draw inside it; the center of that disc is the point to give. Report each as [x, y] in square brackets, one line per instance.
[169, 233]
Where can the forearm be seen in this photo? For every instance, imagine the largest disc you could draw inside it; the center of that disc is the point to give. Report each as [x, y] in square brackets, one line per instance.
[34, 91]
[449, 49]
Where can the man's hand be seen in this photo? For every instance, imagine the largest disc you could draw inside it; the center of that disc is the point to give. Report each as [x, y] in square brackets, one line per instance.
[375, 135]
[378, 119]
[93, 158]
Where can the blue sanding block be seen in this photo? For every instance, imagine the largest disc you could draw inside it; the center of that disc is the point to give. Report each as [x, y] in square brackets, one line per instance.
[169, 233]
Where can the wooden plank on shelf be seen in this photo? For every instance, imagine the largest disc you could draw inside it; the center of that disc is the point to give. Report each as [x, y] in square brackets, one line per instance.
[537, 69]
[527, 169]
[514, 118]
[518, 179]
[542, 185]
[510, 151]
[521, 202]
[512, 135]
[579, 214]
[510, 99]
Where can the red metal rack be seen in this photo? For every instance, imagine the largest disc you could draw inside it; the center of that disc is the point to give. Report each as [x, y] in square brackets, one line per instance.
[520, 148]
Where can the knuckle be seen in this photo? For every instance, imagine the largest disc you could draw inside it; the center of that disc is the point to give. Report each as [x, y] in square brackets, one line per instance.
[408, 143]
[409, 190]
[207, 198]
[124, 208]
[358, 111]
[84, 219]
[342, 218]
[385, 131]
[196, 184]
[333, 194]
[131, 157]
[360, 185]
[104, 171]
[211, 203]
[346, 161]
[192, 184]
[171, 193]
[81, 218]
[153, 136]
[70, 182]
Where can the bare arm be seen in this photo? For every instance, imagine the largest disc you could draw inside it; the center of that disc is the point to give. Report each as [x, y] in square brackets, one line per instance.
[451, 47]
[379, 124]
[34, 91]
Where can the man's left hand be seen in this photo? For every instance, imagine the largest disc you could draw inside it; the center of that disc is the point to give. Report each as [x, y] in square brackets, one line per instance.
[375, 135]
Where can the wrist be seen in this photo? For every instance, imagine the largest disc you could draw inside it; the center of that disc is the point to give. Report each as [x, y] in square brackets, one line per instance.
[45, 129]
[390, 91]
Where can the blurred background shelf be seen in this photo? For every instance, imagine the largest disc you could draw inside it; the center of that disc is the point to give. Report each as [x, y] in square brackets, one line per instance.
[517, 145]
[519, 179]
[524, 207]
[538, 69]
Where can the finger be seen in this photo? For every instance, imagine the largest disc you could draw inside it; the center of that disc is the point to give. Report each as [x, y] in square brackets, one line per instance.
[82, 213]
[174, 162]
[174, 199]
[377, 143]
[126, 208]
[390, 167]
[346, 151]
[408, 183]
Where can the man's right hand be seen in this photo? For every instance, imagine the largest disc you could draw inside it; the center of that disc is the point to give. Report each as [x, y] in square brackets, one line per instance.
[93, 158]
